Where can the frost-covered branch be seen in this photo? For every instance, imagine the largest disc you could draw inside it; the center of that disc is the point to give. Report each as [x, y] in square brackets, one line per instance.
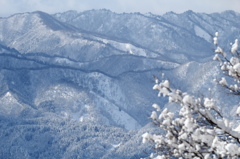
[230, 66]
[198, 130]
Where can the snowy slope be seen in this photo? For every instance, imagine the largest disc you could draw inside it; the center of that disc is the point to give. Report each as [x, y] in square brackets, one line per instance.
[157, 34]
[74, 83]
[204, 25]
[44, 34]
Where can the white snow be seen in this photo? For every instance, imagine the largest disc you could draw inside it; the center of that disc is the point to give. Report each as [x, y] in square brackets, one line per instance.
[219, 50]
[153, 115]
[238, 111]
[209, 103]
[156, 107]
[202, 33]
[237, 68]
[188, 100]
[10, 105]
[223, 82]
[145, 137]
[215, 40]
[128, 47]
[234, 46]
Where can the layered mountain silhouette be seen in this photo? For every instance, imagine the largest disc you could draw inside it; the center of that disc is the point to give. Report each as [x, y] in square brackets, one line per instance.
[79, 84]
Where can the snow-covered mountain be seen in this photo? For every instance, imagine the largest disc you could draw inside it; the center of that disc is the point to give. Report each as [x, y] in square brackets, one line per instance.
[80, 84]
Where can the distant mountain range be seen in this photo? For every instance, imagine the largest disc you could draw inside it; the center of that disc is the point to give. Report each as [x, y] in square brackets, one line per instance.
[79, 84]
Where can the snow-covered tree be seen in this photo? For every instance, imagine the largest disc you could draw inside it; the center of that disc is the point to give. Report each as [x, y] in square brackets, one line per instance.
[199, 129]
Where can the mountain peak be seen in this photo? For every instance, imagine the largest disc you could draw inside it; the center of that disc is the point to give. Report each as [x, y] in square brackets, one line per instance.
[189, 12]
[36, 19]
[51, 22]
[10, 105]
[97, 77]
[230, 13]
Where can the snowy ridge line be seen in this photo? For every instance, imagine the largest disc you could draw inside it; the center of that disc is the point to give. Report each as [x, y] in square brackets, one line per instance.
[32, 55]
[12, 50]
[58, 67]
[234, 22]
[46, 17]
[137, 57]
[160, 22]
[39, 55]
[21, 99]
[82, 70]
[145, 71]
[21, 57]
[164, 20]
[49, 66]
[95, 35]
[119, 40]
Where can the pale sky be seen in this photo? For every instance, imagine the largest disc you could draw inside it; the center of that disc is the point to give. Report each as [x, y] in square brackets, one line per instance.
[9, 7]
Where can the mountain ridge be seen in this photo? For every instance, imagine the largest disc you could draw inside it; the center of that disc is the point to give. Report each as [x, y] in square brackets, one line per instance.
[84, 80]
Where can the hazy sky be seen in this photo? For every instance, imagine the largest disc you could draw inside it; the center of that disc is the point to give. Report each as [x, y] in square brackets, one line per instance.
[9, 7]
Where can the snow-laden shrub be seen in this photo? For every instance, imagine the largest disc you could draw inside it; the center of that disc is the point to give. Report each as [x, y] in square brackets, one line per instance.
[198, 130]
